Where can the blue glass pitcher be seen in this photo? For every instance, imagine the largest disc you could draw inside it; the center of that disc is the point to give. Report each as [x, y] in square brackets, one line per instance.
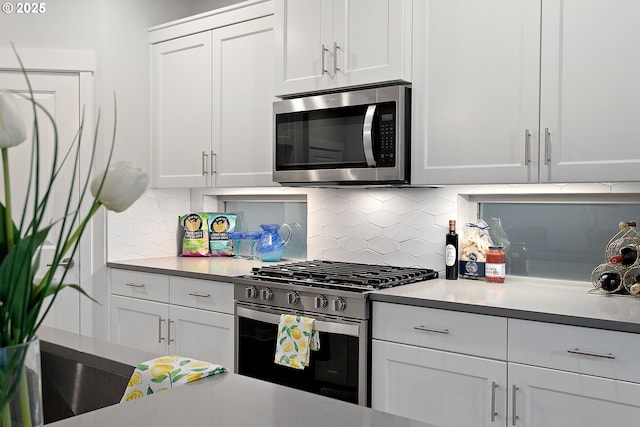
[270, 246]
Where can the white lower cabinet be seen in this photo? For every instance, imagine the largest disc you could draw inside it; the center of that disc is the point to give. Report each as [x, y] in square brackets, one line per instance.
[193, 318]
[438, 387]
[441, 367]
[430, 365]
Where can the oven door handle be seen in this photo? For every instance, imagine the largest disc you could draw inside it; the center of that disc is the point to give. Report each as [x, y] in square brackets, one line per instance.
[367, 135]
[319, 325]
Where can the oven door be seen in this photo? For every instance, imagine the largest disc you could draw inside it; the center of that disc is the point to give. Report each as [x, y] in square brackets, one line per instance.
[337, 370]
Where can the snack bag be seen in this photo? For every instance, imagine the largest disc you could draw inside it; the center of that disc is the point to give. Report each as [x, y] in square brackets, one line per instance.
[220, 224]
[473, 250]
[195, 241]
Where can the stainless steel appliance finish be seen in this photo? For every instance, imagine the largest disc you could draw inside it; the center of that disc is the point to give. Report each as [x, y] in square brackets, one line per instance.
[333, 293]
[356, 137]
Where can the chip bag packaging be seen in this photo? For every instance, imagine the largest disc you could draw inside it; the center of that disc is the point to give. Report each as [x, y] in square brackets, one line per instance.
[220, 224]
[195, 238]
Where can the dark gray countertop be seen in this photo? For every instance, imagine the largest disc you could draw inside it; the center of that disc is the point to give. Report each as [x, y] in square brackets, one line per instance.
[547, 300]
[222, 400]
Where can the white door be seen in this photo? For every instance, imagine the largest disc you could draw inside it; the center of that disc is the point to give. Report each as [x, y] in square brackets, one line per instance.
[139, 324]
[242, 100]
[440, 388]
[203, 335]
[59, 93]
[475, 91]
[181, 112]
[548, 397]
[373, 41]
[304, 46]
[590, 90]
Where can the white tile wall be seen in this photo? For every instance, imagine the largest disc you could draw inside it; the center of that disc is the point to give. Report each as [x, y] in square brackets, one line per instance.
[395, 226]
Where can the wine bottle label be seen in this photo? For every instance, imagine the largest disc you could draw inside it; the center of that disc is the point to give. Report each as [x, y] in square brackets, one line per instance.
[450, 255]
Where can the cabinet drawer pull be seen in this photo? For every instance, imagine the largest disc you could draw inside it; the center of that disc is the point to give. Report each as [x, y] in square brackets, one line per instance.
[335, 58]
[170, 340]
[323, 66]
[199, 295]
[214, 169]
[494, 386]
[160, 337]
[527, 147]
[204, 163]
[135, 285]
[592, 354]
[437, 331]
[514, 417]
[547, 146]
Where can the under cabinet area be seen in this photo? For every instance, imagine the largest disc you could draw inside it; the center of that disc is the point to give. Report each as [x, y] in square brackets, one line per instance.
[330, 44]
[210, 77]
[172, 315]
[442, 367]
[514, 92]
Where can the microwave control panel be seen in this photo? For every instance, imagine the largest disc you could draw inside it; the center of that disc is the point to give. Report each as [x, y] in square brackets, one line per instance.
[387, 134]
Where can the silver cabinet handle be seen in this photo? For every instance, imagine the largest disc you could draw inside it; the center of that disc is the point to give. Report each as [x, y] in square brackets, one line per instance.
[547, 146]
[135, 285]
[514, 417]
[335, 58]
[170, 340]
[494, 386]
[66, 262]
[160, 337]
[204, 163]
[367, 136]
[592, 354]
[527, 147]
[213, 163]
[199, 295]
[437, 331]
[324, 67]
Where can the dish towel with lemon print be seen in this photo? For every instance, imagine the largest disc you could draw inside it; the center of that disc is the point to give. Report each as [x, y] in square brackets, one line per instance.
[164, 373]
[296, 337]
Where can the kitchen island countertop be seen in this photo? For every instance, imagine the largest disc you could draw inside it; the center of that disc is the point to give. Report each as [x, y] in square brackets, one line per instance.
[222, 400]
[547, 300]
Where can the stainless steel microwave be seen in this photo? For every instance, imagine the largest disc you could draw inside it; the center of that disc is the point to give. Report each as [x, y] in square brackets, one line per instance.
[361, 137]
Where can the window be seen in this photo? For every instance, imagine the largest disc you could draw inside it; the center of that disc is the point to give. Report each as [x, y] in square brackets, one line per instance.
[558, 240]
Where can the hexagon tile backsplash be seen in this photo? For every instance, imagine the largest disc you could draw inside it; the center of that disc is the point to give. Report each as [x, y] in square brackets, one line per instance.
[404, 227]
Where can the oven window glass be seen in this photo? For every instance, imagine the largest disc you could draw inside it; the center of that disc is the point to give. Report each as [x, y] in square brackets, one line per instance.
[332, 372]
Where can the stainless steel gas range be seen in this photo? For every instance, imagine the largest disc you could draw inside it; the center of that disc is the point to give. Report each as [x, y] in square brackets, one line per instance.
[335, 295]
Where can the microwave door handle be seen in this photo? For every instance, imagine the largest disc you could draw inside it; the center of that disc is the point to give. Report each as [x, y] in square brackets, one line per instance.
[367, 135]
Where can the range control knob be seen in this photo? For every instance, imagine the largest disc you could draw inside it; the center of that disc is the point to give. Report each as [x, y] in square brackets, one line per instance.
[251, 292]
[321, 301]
[339, 304]
[266, 294]
[293, 297]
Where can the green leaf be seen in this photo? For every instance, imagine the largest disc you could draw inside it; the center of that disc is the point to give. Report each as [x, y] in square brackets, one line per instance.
[158, 380]
[143, 367]
[178, 378]
[295, 345]
[282, 340]
[149, 391]
[174, 373]
[4, 250]
[184, 362]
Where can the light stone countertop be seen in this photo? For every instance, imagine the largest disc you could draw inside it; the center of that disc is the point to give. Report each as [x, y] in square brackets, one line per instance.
[524, 298]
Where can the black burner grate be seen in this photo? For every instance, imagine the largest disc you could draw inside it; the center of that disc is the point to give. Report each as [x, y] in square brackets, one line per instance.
[345, 274]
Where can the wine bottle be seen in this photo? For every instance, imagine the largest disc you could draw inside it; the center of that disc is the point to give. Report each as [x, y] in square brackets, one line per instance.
[451, 252]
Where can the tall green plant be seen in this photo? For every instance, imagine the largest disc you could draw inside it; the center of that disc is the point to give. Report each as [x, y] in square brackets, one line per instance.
[23, 299]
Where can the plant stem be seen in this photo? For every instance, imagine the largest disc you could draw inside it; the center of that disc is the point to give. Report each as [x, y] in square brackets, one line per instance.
[8, 223]
[25, 401]
[6, 415]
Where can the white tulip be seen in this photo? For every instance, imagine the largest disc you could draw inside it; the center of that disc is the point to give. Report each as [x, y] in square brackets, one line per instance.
[124, 184]
[12, 128]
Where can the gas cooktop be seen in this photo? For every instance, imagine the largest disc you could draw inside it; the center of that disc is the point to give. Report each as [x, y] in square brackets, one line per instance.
[348, 276]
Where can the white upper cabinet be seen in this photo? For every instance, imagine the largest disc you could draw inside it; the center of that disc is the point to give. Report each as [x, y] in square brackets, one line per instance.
[211, 97]
[327, 44]
[181, 112]
[512, 92]
[590, 89]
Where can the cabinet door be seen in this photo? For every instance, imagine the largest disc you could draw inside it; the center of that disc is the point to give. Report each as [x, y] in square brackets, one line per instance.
[440, 388]
[372, 41]
[475, 91]
[304, 46]
[139, 324]
[590, 90]
[181, 112]
[242, 99]
[203, 335]
[548, 397]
